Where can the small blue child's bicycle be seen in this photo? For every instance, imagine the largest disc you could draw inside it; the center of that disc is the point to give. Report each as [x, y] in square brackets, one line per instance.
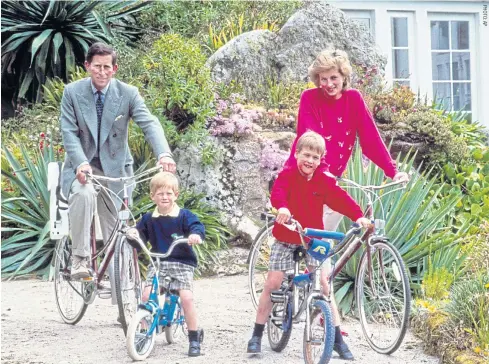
[162, 312]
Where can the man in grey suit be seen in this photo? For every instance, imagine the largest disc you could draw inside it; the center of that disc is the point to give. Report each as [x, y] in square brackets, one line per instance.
[95, 115]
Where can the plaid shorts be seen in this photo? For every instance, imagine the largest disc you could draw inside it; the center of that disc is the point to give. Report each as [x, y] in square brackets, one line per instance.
[182, 275]
[282, 257]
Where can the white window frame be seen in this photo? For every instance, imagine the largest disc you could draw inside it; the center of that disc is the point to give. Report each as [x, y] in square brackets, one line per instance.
[473, 56]
[410, 47]
[362, 14]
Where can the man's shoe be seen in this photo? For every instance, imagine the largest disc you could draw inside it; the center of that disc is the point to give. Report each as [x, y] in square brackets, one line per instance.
[194, 348]
[79, 268]
[254, 345]
[343, 351]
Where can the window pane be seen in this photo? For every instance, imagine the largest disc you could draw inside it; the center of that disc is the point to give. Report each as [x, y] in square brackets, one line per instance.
[462, 96]
[401, 83]
[363, 21]
[439, 35]
[400, 58]
[399, 32]
[440, 66]
[460, 66]
[460, 35]
[441, 95]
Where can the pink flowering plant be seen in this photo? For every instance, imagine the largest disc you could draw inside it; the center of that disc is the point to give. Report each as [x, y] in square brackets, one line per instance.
[272, 159]
[232, 119]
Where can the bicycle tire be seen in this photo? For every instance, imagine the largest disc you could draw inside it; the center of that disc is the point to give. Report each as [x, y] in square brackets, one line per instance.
[279, 344]
[320, 308]
[395, 282]
[138, 343]
[127, 281]
[62, 279]
[256, 277]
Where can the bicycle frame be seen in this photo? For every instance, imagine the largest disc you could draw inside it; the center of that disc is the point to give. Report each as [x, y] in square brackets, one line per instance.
[124, 215]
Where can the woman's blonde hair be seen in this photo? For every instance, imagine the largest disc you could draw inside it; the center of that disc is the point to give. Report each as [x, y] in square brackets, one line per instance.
[311, 140]
[163, 179]
[331, 59]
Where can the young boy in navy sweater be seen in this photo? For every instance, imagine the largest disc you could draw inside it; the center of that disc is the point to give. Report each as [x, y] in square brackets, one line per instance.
[158, 227]
[301, 193]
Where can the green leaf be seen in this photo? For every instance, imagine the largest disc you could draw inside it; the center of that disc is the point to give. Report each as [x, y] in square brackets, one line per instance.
[38, 41]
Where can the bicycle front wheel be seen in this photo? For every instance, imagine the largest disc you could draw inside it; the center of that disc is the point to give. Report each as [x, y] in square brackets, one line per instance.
[319, 348]
[139, 342]
[258, 259]
[68, 293]
[127, 281]
[383, 297]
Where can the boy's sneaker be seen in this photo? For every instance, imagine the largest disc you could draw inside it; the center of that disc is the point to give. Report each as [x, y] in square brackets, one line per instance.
[254, 345]
[79, 268]
[194, 346]
[343, 351]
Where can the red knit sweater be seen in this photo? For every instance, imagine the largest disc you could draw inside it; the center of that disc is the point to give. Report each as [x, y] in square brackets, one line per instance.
[305, 200]
[339, 122]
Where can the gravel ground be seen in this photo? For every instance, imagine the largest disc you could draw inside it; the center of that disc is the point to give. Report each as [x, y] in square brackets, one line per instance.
[33, 332]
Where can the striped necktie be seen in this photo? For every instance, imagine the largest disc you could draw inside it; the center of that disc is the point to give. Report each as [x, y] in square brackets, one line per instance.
[99, 105]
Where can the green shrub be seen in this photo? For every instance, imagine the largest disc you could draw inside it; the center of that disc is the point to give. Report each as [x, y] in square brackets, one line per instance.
[25, 214]
[469, 308]
[472, 177]
[176, 81]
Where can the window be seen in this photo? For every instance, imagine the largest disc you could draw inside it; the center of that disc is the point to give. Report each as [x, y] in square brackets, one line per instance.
[362, 17]
[400, 50]
[451, 64]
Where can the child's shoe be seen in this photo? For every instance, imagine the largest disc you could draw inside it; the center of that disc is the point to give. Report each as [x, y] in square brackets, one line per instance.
[195, 338]
[343, 351]
[254, 345]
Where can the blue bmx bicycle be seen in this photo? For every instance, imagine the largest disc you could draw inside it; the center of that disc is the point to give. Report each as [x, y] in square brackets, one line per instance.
[382, 291]
[161, 313]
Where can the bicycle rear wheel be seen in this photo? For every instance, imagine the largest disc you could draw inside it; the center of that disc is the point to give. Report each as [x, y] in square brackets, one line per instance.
[258, 259]
[68, 293]
[172, 332]
[127, 281]
[319, 348]
[279, 326]
[383, 297]
[139, 342]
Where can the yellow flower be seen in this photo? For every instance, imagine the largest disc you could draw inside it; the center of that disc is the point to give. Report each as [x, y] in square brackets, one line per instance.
[487, 285]
[477, 350]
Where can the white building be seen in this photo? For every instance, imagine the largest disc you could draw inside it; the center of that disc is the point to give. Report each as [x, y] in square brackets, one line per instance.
[439, 48]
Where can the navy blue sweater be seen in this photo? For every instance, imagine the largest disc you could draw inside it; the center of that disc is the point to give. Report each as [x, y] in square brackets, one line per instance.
[159, 230]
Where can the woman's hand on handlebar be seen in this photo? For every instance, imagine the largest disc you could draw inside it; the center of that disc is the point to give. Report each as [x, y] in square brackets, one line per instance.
[401, 177]
[364, 222]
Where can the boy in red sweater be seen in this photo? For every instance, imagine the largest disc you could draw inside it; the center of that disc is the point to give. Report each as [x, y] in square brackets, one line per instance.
[301, 193]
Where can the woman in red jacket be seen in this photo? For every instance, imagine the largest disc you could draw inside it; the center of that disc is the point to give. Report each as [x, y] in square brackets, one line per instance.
[339, 114]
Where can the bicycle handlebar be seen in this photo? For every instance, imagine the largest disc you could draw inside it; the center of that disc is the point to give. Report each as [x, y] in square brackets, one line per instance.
[98, 177]
[370, 187]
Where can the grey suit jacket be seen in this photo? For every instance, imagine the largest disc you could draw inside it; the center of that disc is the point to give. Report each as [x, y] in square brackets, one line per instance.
[79, 129]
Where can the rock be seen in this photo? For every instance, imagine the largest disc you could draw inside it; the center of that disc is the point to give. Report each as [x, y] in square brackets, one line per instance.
[244, 59]
[314, 28]
[253, 58]
[232, 261]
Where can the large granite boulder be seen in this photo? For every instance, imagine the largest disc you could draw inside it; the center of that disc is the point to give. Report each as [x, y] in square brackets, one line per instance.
[254, 58]
[244, 59]
[236, 183]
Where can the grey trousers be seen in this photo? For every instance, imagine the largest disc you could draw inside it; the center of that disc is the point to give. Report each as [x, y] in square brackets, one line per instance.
[83, 201]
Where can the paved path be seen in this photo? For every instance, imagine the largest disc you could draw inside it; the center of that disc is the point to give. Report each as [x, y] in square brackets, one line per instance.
[33, 332]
